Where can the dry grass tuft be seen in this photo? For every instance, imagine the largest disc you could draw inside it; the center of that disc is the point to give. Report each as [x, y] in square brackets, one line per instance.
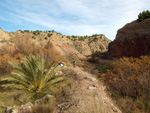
[45, 107]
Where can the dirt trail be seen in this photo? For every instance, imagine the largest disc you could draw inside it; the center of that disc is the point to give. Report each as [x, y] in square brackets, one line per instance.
[91, 94]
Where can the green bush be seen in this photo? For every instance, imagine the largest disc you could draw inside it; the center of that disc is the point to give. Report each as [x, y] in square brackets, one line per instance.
[86, 36]
[34, 33]
[33, 37]
[144, 15]
[37, 32]
[73, 36]
[45, 38]
[95, 39]
[69, 37]
[49, 34]
[102, 68]
[21, 31]
[94, 35]
[81, 38]
[93, 60]
[26, 31]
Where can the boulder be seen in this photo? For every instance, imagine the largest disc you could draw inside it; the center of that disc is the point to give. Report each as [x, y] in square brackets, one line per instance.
[8, 110]
[91, 87]
[27, 108]
[90, 78]
[13, 109]
[59, 73]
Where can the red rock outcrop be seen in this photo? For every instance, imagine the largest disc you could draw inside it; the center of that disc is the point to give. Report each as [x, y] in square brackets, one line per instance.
[133, 40]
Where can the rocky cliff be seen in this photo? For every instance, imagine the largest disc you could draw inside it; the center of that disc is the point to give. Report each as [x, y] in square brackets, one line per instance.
[133, 40]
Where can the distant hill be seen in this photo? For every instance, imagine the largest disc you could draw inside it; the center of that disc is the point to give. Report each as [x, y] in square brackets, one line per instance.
[79, 46]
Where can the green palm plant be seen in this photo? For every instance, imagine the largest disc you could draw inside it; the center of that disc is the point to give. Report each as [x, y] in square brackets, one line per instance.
[32, 76]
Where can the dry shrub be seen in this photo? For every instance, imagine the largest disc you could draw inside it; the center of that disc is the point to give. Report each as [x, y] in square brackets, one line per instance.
[105, 62]
[23, 47]
[8, 54]
[129, 105]
[5, 67]
[52, 54]
[7, 49]
[26, 46]
[71, 56]
[130, 77]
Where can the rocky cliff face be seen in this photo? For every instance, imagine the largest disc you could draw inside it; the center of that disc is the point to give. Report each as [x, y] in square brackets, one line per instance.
[133, 40]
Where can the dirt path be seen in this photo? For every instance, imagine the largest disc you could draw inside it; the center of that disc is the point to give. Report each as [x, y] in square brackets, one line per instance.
[91, 94]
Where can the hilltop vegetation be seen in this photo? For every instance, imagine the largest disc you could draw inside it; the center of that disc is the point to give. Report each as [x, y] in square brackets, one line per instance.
[73, 37]
[143, 15]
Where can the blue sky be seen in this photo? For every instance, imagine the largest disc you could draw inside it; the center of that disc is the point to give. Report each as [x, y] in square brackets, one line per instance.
[70, 17]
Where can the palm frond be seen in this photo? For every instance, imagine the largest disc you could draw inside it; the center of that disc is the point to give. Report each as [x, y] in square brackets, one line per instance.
[31, 76]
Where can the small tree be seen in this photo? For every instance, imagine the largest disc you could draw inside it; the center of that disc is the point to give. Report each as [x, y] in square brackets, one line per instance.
[144, 15]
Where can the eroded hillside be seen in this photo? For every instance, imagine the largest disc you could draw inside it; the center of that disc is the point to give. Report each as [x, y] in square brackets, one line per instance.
[79, 46]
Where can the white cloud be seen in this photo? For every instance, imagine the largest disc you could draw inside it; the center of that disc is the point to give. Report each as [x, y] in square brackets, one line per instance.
[73, 17]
